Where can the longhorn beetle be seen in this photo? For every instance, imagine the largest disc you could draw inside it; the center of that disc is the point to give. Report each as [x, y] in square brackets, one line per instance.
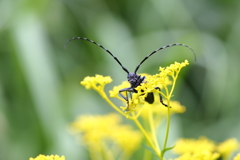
[133, 78]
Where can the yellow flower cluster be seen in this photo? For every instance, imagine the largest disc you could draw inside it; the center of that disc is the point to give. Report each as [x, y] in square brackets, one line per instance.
[115, 91]
[51, 157]
[237, 157]
[160, 80]
[161, 112]
[227, 147]
[204, 147]
[194, 145]
[172, 69]
[98, 129]
[151, 82]
[107, 138]
[201, 155]
[98, 82]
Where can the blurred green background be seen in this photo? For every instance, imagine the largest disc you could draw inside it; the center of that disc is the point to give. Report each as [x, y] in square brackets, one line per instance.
[39, 79]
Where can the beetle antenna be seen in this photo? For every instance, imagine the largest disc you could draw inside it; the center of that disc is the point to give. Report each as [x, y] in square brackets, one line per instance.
[170, 45]
[99, 45]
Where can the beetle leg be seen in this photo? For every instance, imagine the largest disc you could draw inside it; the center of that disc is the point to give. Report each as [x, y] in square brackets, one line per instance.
[125, 90]
[161, 98]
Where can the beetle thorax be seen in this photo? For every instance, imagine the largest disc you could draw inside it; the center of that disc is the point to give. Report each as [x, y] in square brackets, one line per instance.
[135, 80]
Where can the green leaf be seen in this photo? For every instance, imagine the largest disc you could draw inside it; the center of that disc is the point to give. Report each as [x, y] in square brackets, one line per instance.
[166, 149]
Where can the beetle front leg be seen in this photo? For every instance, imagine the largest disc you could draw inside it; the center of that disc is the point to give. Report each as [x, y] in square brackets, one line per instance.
[124, 90]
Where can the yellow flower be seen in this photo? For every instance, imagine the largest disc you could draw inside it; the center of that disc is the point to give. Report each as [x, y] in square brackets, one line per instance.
[95, 128]
[51, 157]
[128, 139]
[227, 147]
[194, 145]
[161, 111]
[237, 157]
[98, 82]
[115, 91]
[160, 81]
[199, 155]
[177, 107]
[97, 131]
[151, 83]
[99, 128]
[173, 69]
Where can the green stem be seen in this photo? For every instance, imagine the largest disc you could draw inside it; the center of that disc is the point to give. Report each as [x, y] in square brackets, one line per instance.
[94, 153]
[107, 152]
[169, 95]
[125, 155]
[104, 96]
[147, 137]
[174, 83]
[167, 127]
[147, 155]
[153, 131]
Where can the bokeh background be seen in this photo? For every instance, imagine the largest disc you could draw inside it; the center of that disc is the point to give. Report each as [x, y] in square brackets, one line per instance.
[39, 79]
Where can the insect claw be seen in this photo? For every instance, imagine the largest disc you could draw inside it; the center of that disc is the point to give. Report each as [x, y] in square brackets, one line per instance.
[165, 105]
